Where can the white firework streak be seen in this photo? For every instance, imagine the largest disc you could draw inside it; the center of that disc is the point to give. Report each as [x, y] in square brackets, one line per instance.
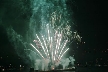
[37, 51]
[54, 38]
[63, 53]
[51, 44]
[62, 48]
[41, 44]
[46, 46]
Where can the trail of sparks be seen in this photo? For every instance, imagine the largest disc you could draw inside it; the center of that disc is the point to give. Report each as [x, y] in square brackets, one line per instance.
[46, 46]
[41, 44]
[52, 42]
[37, 50]
[64, 53]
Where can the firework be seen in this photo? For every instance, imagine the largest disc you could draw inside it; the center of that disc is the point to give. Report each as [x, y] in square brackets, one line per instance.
[50, 24]
[51, 44]
[52, 41]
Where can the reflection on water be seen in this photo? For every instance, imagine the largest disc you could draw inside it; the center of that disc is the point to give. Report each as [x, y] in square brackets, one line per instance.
[80, 69]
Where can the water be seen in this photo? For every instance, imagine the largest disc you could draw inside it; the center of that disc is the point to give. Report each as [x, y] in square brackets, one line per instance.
[91, 69]
[81, 69]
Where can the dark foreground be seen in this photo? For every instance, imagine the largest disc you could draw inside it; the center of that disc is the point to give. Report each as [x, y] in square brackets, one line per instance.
[79, 69]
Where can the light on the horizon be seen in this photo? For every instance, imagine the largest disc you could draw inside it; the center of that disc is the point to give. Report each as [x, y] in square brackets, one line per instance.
[3, 69]
[20, 65]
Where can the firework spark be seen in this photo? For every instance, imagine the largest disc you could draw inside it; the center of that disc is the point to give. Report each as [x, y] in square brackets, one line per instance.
[55, 35]
[52, 42]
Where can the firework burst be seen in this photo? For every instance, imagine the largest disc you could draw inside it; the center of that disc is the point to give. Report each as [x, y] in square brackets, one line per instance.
[51, 44]
[54, 38]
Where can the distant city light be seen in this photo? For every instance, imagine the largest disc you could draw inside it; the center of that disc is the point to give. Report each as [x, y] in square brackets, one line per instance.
[20, 65]
[53, 68]
[99, 65]
[78, 64]
[3, 69]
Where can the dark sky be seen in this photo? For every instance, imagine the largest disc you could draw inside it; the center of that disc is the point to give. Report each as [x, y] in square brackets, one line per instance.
[90, 17]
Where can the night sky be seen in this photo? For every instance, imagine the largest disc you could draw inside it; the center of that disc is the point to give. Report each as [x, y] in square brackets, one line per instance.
[89, 16]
